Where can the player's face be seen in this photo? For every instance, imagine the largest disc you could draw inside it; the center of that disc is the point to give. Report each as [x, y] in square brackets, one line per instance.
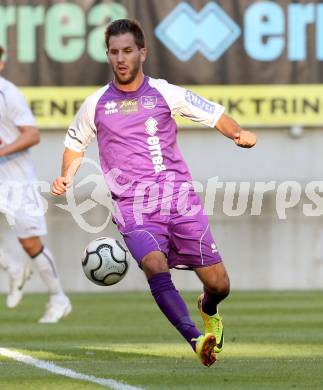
[125, 58]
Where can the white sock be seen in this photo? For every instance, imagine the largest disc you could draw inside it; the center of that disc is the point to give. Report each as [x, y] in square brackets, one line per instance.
[4, 261]
[46, 267]
[11, 266]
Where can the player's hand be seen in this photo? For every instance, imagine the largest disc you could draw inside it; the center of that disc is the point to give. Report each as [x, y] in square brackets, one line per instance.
[2, 148]
[60, 185]
[245, 139]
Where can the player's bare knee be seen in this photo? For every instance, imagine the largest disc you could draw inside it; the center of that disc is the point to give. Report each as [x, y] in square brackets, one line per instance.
[154, 263]
[224, 288]
[219, 286]
[31, 245]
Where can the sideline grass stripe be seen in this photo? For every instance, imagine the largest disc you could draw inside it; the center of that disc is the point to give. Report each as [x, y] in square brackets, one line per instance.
[51, 367]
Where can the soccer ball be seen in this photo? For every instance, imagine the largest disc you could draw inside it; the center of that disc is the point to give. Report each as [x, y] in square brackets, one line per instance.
[105, 261]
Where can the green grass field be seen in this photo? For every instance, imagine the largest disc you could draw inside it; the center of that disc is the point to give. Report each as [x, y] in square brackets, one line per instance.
[273, 340]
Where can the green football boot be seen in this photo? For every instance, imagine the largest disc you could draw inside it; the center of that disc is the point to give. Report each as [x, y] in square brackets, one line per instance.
[204, 349]
[213, 324]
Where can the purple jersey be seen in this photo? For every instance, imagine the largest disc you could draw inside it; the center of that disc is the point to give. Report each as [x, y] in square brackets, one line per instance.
[140, 159]
[136, 132]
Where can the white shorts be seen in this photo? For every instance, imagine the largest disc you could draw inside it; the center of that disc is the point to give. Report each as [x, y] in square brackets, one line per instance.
[23, 208]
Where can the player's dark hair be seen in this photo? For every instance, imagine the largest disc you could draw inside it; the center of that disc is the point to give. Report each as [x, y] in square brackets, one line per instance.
[2, 51]
[123, 26]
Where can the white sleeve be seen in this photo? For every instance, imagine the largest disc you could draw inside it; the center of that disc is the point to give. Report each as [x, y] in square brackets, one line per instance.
[186, 103]
[17, 108]
[82, 130]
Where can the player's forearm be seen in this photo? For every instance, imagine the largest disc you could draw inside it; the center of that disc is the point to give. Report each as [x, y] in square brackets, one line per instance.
[71, 162]
[228, 127]
[28, 138]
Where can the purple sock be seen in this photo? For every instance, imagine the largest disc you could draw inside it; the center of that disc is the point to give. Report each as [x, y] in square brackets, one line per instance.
[173, 306]
[210, 302]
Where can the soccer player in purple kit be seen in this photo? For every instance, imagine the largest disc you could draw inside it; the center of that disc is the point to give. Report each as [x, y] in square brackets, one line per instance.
[132, 117]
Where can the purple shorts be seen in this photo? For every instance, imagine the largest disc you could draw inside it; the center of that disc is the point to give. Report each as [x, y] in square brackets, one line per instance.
[184, 238]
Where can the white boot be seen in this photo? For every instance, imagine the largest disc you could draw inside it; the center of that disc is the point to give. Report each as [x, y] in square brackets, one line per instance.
[58, 307]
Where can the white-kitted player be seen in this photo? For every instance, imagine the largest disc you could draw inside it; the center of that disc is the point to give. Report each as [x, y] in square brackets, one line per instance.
[20, 202]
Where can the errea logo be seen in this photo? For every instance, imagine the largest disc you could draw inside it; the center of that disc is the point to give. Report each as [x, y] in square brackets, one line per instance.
[110, 107]
[154, 145]
[214, 248]
[269, 29]
[151, 126]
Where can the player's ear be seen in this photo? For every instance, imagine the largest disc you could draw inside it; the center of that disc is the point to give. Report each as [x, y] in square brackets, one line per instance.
[107, 53]
[1, 66]
[143, 54]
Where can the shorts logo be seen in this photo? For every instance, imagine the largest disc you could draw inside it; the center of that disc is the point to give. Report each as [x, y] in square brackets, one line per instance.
[154, 145]
[198, 102]
[128, 106]
[149, 102]
[110, 108]
[33, 228]
[214, 248]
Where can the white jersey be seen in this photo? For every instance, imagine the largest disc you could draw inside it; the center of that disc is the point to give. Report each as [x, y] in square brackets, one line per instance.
[14, 112]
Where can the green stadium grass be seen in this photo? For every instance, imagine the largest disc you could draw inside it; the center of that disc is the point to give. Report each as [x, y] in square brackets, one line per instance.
[273, 340]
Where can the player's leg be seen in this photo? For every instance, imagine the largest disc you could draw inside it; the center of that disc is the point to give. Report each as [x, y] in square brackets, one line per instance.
[19, 273]
[29, 225]
[44, 262]
[167, 297]
[17, 269]
[193, 246]
[216, 288]
[173, 306]
[59, 305]
[147, 248]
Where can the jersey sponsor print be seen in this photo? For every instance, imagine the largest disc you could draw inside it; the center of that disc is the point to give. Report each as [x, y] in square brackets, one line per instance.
[136, 131]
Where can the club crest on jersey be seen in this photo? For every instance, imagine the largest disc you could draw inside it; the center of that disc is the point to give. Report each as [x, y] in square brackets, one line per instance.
[151, 126]
[110, 108]
[149, 102]
[199, 102]
[128, 106]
